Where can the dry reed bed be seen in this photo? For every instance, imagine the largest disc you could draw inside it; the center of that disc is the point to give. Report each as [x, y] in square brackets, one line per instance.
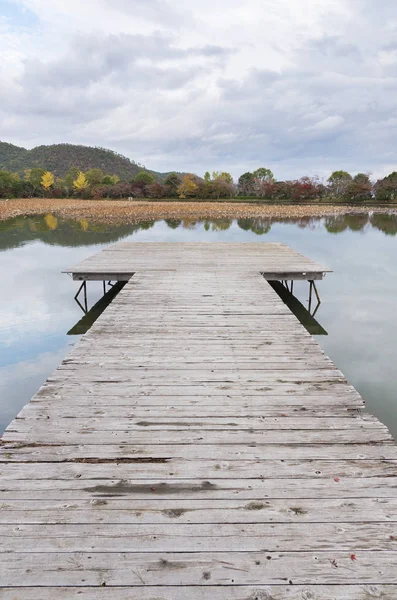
[124, 211]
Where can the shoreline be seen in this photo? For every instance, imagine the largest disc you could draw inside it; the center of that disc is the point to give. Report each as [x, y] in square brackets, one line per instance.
[117, 212]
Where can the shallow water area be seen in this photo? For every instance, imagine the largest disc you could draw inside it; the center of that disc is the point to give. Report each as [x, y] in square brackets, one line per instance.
[358, 309]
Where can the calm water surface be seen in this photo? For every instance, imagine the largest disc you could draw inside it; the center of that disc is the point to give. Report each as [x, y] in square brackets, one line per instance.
[37, 308]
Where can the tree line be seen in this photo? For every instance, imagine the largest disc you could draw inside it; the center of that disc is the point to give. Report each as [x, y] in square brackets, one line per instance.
[95, 184]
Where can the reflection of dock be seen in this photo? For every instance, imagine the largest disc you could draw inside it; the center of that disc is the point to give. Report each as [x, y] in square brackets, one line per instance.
[92, 315]
[299, 310]
[197, 444]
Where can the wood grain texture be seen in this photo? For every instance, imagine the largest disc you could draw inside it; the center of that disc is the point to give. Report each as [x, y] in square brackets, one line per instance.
[122, 260]
[197, 444]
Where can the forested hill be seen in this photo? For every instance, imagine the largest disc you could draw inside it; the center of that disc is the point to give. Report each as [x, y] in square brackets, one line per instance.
[58, 158]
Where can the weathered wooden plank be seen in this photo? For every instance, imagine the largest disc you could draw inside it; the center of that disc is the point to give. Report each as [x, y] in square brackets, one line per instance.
[184, 569]
[365, 435]
[249, 489]
[27, 452]
[210, 592]
[200, 468]
[154, 510]
[214, 537]
[191, 409]
[129, 423]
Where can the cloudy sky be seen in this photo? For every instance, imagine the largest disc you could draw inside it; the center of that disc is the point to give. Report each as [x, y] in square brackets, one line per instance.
[302, 87]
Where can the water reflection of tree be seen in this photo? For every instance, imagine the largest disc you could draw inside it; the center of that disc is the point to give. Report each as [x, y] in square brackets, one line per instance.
[62, 232]
[339, 223]
[189, 223]
[384, 222]
[173, 223]
[221, 224]
[258, 225]
[145, 225]
[357, 222]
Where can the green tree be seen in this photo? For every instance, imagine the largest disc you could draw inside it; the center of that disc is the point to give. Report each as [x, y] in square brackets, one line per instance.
[226, 177]
[246, 184]
[172, 183]
[144, 177]
[94, 176]
[70, 177]
[6, 184]
[263, 174]
[35, 177]
[338, 182]
[218, 176]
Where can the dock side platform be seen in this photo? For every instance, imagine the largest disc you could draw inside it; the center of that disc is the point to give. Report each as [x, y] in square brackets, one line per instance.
[120, 261]
[197, 444]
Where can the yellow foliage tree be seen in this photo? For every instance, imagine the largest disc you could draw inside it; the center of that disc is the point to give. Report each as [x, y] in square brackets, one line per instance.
[81, 182]
[188, 187]
[47, 180]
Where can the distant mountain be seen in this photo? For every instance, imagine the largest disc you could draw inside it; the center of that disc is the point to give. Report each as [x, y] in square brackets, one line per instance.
[58, 158]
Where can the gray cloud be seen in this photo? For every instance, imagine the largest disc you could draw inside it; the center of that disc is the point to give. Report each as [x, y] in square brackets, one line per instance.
[95, 57]
[220, 91]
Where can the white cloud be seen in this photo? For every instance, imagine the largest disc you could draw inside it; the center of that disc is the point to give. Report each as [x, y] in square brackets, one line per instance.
[301, 87]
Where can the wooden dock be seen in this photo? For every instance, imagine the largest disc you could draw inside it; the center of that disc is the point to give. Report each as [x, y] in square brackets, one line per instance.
[197, 444]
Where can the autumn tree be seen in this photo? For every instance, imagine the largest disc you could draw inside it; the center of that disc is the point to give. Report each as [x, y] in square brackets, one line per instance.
[120, 190]
[188, 187]
[386, 188]
[359, 189]
[80, 183]
[306, 188]
[94, 176]
[156, 190]
[47, 180]
[220, 188]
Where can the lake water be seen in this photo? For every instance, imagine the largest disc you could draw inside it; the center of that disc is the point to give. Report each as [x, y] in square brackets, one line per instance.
[358, 308]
